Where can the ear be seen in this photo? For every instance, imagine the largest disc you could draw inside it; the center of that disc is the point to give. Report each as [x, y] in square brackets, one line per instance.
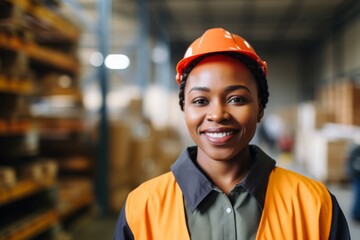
[260, 114]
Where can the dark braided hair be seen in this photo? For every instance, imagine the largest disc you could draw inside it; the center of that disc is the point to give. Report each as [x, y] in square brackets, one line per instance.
[254, 67]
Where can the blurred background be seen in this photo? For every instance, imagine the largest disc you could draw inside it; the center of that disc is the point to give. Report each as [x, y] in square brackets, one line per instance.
[89, 103]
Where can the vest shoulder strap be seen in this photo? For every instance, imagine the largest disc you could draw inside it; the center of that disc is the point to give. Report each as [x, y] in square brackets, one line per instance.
[155, 210]
[296, 207]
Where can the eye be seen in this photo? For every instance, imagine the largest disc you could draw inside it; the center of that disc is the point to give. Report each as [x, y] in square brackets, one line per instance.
[199, 101]
[237, 100]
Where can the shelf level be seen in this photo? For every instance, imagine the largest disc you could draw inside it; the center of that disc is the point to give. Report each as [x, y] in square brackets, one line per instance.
[19, 127]
[30, 226]
[15, 85]
[43, 55]
[48, 17]
[23, 189]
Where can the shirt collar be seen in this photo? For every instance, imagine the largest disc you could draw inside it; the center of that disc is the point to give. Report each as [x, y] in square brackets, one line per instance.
[196, 186]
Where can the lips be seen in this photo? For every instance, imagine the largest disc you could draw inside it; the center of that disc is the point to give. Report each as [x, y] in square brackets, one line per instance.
[220, 136]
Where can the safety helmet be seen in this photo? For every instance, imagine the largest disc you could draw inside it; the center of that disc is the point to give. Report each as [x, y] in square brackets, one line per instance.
[217, 40]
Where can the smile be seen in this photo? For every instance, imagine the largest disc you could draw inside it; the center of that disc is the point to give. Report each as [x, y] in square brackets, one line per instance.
[219, 134]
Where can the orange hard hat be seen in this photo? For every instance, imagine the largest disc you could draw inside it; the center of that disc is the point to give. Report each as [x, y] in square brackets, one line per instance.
[217, 40]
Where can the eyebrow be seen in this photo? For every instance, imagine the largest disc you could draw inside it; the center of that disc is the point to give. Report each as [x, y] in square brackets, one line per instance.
[202, 89]
[236, 87]
[227, 89]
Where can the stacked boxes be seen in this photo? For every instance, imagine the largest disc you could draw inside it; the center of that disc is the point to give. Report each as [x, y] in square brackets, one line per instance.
[323, 136]
[348, 109]
[312, 116]
[119, 164]
[138, 152]
[325, 158]
[342, 99]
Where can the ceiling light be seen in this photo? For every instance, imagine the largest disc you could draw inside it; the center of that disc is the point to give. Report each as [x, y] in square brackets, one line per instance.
[117, 61]
[96, 59]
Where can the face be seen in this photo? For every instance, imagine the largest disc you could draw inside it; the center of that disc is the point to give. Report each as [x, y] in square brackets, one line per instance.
[221, 107]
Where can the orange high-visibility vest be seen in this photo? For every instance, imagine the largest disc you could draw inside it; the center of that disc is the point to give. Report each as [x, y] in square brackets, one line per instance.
[295, 207]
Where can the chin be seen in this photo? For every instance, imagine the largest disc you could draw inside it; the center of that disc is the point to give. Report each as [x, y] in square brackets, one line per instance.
[225, 153]
[219, 155]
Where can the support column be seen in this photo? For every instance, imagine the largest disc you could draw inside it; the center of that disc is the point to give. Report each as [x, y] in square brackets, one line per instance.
[143, 49]
[104, 14]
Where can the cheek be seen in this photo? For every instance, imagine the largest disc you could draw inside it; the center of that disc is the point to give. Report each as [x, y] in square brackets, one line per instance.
[249, 118]
[191, 117]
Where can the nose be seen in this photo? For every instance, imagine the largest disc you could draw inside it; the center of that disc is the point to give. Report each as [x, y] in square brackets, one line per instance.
[218, 113]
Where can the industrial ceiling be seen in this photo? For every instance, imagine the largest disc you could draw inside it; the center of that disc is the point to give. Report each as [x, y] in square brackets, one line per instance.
[264, 23]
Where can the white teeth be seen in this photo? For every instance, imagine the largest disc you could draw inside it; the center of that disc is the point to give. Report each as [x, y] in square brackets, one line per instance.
[218, 135]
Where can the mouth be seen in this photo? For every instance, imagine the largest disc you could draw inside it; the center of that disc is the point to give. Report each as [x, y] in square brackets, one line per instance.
[220, 136]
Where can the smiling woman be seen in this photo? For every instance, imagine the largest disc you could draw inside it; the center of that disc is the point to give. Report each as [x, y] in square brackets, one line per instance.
[221, 109]
[225, 188]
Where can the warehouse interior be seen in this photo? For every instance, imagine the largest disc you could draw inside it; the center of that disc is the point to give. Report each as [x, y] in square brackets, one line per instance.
[89, 103]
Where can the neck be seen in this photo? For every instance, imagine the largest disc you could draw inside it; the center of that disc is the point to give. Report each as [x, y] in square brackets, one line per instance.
[225, 173]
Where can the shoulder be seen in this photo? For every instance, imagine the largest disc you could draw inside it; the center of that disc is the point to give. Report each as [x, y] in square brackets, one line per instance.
[146, 200]
[292, 182]
[299, 204]
[152, 192]
[295, 178]
[301, 194]
[153, 186]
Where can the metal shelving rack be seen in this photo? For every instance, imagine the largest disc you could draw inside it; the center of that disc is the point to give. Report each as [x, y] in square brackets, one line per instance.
[38, 66]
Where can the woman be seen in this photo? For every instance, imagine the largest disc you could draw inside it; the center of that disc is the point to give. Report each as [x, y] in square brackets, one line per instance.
[224, 188]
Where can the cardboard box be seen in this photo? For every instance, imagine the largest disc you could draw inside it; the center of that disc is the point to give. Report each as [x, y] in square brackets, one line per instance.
[341, 99]
[312, 116]
[119, 145]
[324, 158]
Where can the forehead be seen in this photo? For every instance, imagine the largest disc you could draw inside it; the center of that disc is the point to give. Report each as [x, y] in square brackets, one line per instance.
[220, 69]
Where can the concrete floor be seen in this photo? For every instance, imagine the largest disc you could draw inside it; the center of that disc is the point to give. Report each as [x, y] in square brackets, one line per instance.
[96, 229]
[103, 228]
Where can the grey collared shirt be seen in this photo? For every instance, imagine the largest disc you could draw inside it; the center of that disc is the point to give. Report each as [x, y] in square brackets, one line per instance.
[210, 213]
